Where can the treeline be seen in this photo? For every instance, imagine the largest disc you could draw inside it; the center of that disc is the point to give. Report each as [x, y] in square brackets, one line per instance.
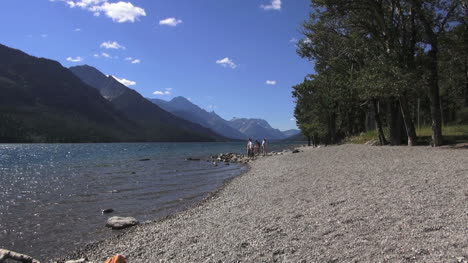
[383, 64]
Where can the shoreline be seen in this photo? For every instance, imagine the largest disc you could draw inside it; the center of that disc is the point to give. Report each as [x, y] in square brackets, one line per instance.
[82, 211]
[78, 253]
[243, 164]
[332, 204]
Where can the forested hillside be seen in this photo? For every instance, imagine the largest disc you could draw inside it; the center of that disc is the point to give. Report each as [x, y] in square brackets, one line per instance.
[41, 101]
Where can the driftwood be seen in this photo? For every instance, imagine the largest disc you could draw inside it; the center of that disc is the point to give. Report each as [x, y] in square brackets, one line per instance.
[7, 254]
[83, 260]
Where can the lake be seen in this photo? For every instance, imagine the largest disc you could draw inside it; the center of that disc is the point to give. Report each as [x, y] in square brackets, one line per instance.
[51, 195]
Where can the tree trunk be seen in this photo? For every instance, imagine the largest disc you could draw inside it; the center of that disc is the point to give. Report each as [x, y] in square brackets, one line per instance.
[370, 119]
[409, 125]
[466, 85]
[434, 96]
[308, 140]
[394, 122]
[332, 128]
[378, 123]
[349, 123]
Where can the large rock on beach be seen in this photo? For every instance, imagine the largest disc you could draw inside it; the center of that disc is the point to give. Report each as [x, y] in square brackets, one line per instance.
[117, 222]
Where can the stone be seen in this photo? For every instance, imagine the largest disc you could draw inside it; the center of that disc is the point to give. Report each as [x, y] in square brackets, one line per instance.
[117, 222]
[144, 160]
[296, 151]
[81, 260]
[108, 210]
[193, 159]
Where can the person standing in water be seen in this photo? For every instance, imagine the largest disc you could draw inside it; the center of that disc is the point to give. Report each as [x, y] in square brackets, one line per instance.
[249, 148]
[264, 146]
[257, 147]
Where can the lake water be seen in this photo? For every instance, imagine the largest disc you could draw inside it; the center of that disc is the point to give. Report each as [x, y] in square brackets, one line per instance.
[51, 195]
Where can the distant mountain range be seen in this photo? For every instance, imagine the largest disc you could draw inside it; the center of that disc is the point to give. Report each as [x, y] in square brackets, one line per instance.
[156, 123]
[41, 101]
[256, 129]
[185, 109]
[291, 133]
[235, 128]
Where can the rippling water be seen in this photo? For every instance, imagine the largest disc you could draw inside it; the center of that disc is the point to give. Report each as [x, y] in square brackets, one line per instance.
[51, 195]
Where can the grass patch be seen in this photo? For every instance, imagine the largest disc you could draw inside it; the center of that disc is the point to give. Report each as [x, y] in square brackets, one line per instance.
[365, 137]
[451, 133]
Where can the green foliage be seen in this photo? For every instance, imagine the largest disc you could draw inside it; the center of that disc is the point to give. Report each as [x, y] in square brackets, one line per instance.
[381, 51]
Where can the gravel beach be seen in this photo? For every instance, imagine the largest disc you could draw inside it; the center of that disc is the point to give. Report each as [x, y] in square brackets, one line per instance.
[349, 203]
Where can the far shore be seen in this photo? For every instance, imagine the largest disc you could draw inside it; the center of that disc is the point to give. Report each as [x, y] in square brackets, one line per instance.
[349, 203]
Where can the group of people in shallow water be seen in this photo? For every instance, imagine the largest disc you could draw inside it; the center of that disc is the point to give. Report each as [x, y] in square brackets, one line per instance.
[256, 148]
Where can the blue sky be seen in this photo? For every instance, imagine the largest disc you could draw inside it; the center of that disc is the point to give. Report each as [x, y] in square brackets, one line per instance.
[236, 57]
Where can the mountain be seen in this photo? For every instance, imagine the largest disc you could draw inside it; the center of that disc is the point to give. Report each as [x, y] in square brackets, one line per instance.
[157, 124]
[185, 109]
[41, 101]
[256, 129]
[108, 86]
[296, 138]
[290, 133]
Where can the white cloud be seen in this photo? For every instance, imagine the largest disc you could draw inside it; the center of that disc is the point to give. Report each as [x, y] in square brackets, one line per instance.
[292, 119]
[119, 12]
[44, 35]
[84, 3]
[105, 55]
[271, 82]
[226, 62]
[126, 82]
[112, 45]
[275, 5]
[77, 29]
[165, 92]
[132, 60]
[75, 60]
[293, 40]
[96, 55]
[171, 21]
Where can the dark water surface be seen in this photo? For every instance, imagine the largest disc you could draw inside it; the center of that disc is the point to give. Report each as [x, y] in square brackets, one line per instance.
[51, 195]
